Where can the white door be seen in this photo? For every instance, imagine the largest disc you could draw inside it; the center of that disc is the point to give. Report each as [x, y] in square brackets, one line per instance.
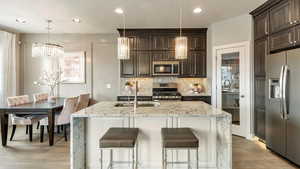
[232, 78]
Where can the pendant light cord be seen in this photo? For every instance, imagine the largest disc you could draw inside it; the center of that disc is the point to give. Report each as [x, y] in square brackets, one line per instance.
[124, 25]
[180, 20]
[48, 30]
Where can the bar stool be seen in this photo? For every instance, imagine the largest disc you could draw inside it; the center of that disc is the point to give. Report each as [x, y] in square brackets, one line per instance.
[178, 138]
[120, 138]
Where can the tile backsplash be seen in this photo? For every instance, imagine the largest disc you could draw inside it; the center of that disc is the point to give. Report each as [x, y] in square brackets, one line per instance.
[185, 85]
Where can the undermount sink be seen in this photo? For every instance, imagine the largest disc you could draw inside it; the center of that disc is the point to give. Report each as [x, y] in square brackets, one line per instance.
[151, 104]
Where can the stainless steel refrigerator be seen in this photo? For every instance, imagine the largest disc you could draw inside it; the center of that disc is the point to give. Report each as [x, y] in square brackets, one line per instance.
[283, 104]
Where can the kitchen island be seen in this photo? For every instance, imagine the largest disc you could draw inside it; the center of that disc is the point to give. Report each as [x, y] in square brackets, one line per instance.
[211, 126]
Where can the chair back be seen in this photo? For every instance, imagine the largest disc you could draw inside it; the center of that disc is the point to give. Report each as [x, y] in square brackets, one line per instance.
[69, 108]
[18, 100]
[83, 102]
[40, 97]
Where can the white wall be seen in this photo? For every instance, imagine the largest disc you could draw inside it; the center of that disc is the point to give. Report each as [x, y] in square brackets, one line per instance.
[101, 64]
[233, 30]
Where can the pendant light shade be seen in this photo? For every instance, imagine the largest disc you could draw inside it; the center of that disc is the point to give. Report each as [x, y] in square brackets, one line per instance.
[181, 44]
[123, 48]
[47, 50]
[181, 47]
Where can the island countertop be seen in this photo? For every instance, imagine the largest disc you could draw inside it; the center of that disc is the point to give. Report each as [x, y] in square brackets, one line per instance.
[162, 109]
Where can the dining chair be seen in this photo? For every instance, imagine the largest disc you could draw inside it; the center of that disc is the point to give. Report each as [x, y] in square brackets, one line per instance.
[83, 102]
[62, 119]
[40, 97]
[24, 120]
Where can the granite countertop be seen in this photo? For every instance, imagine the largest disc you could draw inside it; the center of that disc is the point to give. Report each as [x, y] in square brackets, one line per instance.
[162, 109]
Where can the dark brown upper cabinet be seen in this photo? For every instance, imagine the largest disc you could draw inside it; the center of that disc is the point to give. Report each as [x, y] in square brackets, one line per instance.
[194, 65]
[143, 42]
[148, 45]
[282, 40]
[261, 26]
[281, 16]
[144, 63]
[260, 54]
[197, 42]
[297, 35]
[128, 67]
[163, 42]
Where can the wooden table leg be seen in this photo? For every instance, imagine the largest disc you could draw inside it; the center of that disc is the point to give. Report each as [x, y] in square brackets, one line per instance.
[51, 124]
[4, 127]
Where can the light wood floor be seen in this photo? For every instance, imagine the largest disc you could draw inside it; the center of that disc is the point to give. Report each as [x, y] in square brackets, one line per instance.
[21, 154]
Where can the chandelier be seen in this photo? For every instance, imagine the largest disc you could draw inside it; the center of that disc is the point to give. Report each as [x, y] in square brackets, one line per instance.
[47, 49]
[123, 42]
[181, 41]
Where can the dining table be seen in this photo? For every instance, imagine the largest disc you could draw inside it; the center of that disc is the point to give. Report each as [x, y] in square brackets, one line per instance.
[46, 107]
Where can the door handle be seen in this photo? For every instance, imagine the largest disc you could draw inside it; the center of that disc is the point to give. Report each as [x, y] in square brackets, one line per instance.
[285, 92]
[242, 96]
[281, 91]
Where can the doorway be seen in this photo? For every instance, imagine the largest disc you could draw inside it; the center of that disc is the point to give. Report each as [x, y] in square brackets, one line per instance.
[232, 85]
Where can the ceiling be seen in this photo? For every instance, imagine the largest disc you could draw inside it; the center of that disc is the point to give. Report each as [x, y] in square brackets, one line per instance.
[98, 15]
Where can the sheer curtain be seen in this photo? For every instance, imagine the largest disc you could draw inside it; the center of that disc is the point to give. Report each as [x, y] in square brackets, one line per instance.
[8, 65]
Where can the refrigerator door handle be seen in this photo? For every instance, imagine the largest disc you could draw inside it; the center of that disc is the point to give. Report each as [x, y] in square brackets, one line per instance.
[285, 92]
[281, 91]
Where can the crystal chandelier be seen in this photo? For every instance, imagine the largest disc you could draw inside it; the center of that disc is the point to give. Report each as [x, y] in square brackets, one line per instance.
[181, 42]
[123, 43]
[47, 49]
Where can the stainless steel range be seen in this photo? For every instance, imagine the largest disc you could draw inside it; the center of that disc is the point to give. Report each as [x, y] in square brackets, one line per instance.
[166, 91]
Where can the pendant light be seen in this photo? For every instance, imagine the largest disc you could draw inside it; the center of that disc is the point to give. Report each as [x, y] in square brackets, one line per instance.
[123, 42]
[181, 41]
[47, 49]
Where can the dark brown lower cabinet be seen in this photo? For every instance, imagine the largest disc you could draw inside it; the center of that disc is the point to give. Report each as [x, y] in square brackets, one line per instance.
[259, 107]
[206, 99]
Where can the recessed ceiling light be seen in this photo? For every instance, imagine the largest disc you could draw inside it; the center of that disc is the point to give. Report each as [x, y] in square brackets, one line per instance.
[76, 20]
[197, 10]
[119, 11]
[21, 20]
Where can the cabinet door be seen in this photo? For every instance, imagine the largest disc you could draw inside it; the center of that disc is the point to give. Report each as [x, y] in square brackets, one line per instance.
[198, 63]
[261, 25]
[186, 69]
[132, 42]
[128, 66]
[163, 42]
[159, 42]
[143, 42]
[296, 11]
[259, 107]
[197, 42]
[143, 64]
[281, 16]
[282, 40]
[260, 54]
[297, 36]
[159, 56]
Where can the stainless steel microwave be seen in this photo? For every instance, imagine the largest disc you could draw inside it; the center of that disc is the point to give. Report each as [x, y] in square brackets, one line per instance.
[165, 68]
